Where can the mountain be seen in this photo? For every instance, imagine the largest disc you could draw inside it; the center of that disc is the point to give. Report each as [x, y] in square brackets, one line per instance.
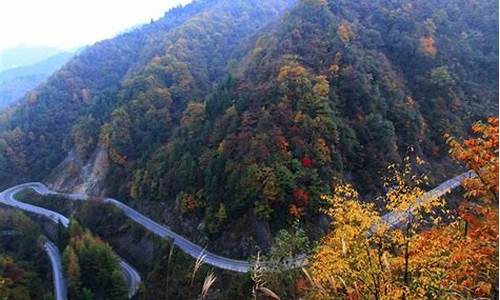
[21, 56]
[15, 82]
[231, 118]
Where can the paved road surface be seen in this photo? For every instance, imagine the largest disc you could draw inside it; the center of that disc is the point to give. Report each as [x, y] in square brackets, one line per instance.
[396, 219]
[131, 276]
[184, 244]
[195, 250]
[57, 274]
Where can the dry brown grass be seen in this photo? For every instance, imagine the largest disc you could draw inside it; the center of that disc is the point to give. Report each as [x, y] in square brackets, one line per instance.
[207, 284]
[197, 265]
[259, 281]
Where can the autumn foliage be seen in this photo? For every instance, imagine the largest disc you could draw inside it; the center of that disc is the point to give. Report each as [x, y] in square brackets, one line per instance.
[428, 46]
[480, 154]
[423, 257]
[472, 240]
[300, 201]
[462, 255]
[190, 203]
[344, 32]
[307, 162]
[364, 257]
[91, 266]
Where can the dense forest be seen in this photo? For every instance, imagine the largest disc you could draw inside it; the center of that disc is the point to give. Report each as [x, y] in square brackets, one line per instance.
[264, 130]
[24, 267]
[239, 114]
[91, 266]
[442, 250]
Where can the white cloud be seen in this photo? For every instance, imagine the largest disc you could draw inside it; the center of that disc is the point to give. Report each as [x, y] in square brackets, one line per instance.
[71, 23]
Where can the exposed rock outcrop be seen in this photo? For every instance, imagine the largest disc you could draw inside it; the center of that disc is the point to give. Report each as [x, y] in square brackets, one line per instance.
[75, 176]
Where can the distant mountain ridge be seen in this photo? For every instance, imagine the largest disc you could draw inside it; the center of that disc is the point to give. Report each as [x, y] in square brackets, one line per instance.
[25, 55]
[16, 82]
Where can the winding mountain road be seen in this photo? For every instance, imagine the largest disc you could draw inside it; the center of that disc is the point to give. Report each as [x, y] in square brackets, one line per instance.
[57, 273]
[395, 219]
[184, 244]
[192, 249]
[131, 276]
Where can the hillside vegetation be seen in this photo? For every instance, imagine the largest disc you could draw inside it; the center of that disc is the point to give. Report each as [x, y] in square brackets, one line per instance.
[242, 112]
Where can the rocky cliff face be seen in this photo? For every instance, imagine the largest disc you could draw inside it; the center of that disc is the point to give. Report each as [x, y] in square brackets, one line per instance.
[75, 176]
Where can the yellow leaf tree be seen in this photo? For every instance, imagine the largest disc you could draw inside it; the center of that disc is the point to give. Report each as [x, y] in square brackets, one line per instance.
[366, 255]
[421, 257]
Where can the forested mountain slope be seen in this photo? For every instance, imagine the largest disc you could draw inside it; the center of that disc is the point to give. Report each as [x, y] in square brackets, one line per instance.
[229, 114]
[334, 89]
[188, 44]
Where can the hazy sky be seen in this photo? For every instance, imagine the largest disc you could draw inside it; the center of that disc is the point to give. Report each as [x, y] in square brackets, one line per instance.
[71, 23]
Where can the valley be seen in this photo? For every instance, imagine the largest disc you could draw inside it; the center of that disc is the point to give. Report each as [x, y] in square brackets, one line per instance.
[132, 277]
[250, 149]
